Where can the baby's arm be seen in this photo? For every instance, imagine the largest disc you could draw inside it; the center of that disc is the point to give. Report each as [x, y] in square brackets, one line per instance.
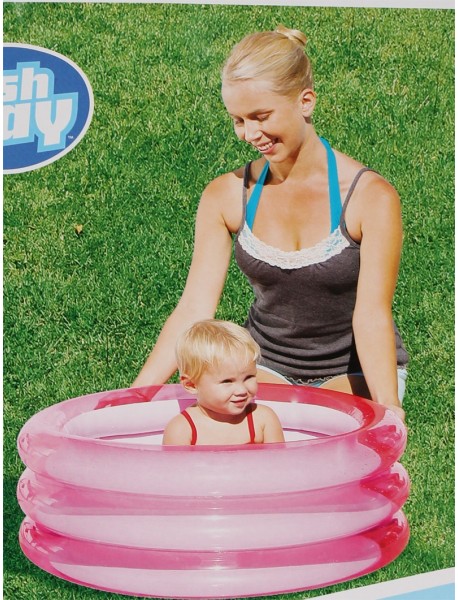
[177, 432]
[272, 430]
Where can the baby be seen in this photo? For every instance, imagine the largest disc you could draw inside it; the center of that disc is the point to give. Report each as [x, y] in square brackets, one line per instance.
[217, 363]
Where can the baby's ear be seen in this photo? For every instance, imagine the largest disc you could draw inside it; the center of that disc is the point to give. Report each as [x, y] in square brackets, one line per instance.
[188, 384]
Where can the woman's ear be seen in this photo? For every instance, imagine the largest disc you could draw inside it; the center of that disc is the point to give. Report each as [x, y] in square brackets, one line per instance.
[188, 384]
[308, 101]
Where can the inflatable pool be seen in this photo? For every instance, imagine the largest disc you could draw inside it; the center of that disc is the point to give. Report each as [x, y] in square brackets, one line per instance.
[107, 506]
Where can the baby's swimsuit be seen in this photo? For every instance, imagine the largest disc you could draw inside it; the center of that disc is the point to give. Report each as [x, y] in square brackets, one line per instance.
[249, 418]
[304, 300]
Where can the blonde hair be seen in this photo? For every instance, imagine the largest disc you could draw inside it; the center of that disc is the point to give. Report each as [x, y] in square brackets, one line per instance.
[277, 56]
[207, 343]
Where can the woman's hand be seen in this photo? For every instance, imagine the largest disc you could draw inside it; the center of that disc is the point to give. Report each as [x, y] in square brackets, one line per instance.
[398, 410]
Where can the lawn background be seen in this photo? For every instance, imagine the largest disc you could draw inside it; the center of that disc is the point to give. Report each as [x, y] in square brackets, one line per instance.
[82, 310]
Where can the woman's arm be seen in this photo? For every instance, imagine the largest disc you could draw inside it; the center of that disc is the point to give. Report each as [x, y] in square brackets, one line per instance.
[204, 285]
[381, 241]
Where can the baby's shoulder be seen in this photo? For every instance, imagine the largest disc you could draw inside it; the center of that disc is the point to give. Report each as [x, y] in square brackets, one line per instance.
[263, 413]
[177, 430]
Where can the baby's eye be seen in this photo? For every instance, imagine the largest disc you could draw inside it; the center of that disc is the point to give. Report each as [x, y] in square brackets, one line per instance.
[262, 118]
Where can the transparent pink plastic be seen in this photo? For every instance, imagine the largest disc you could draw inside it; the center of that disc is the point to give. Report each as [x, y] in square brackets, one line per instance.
[107, 506]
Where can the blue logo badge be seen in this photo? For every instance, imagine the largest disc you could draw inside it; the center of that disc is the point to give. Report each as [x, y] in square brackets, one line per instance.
[47, 106]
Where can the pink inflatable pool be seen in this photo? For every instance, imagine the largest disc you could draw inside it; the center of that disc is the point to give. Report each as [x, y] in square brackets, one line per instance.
[107, 506]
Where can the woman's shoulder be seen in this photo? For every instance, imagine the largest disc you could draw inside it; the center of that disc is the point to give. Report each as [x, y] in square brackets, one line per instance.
[225, 183]
[369, 181]
[232, 180]
[373, 200]
[223, 197]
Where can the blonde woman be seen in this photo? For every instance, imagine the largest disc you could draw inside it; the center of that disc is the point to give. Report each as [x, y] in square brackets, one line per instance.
[317, 234]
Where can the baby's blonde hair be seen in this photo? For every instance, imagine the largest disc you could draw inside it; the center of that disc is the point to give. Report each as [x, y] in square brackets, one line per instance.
[276, 56]
[207, 343]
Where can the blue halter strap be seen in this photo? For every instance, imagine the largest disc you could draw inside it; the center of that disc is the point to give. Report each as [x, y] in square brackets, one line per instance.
[253, 202]
[333, 184]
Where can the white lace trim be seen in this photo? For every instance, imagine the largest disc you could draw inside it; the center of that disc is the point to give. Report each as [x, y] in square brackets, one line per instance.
[296, 259]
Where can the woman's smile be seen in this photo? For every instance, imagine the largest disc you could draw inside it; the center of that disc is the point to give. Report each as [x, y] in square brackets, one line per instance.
[267, 147]
[263, 118]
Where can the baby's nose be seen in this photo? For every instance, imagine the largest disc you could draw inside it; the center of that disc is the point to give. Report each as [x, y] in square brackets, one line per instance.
[240, 390]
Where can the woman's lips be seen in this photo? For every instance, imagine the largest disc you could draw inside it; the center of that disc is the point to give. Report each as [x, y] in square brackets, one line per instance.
[266, 148]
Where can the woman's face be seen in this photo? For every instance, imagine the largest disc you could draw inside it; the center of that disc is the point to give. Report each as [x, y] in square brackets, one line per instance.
[272, 123]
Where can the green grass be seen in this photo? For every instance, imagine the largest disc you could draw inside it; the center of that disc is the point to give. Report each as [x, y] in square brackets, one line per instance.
[81, 312]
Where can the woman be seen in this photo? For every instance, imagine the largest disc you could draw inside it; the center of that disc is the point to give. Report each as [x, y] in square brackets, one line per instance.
[317, 234]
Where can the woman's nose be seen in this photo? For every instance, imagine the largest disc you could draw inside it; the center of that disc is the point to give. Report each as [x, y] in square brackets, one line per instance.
[252, 131]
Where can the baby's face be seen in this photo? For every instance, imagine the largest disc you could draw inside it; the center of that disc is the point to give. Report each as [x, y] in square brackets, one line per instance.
[229, 387]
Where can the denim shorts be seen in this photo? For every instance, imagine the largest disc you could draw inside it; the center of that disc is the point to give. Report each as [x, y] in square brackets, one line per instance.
[319, 381]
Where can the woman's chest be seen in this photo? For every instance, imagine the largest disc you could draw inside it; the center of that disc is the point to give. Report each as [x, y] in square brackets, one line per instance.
[332, 264]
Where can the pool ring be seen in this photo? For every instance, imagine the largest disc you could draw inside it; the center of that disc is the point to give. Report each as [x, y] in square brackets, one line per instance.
[109, 507]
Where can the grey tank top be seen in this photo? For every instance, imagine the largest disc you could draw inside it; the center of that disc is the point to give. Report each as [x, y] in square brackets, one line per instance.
[304, 300]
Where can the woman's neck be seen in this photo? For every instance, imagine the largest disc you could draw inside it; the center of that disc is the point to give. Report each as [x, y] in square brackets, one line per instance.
[309, 159]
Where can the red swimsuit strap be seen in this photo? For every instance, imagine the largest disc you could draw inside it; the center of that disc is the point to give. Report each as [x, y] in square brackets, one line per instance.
[193, 427]
[251, 428]
[249, 417]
